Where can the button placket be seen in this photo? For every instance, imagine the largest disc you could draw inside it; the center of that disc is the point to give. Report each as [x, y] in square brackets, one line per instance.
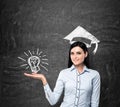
[77, 96]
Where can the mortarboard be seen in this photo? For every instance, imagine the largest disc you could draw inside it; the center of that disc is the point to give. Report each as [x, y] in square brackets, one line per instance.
[80, 32]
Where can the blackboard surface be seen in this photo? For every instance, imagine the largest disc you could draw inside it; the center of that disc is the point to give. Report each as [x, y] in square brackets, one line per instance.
[42, 24]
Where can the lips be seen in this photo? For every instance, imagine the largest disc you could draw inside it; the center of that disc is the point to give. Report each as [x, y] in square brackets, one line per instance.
[75, 61]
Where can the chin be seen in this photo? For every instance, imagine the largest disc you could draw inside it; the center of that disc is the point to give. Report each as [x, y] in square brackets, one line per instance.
[76, 64]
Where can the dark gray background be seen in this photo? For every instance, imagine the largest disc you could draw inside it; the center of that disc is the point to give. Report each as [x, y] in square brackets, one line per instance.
[31, 24]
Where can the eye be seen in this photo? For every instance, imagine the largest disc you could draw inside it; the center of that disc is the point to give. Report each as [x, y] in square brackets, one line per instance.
[78, 53]
[71, 53]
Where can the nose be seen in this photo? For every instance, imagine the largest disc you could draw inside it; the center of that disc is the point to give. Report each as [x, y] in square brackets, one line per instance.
[75, 55]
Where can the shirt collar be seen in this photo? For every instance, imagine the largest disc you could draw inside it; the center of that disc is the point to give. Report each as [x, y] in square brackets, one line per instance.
[85, 69]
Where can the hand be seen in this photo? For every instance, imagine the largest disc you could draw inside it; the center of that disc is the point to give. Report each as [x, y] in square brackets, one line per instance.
[37, 76]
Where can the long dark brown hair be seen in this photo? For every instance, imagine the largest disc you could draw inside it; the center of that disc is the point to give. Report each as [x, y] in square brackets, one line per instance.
[85, 49]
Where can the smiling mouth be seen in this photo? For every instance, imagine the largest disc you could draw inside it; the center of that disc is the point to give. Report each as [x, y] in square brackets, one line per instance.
[75, 61]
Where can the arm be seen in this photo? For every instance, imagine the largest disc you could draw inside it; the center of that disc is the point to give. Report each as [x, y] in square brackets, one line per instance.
[96, 91]
[52, 96]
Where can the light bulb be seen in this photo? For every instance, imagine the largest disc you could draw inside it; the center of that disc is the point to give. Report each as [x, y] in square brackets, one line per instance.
[34, 62]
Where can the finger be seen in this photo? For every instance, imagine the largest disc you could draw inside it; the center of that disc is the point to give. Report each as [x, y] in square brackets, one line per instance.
[34, 73]
[26, 74]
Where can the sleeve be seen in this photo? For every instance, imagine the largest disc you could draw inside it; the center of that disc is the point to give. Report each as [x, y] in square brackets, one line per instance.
[53, 96]
[96, 91]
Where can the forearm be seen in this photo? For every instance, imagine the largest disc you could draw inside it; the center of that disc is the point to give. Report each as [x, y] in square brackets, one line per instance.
[53, 96]
[44, 81]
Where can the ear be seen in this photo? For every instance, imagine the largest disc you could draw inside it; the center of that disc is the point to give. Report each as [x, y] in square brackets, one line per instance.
[86, 54]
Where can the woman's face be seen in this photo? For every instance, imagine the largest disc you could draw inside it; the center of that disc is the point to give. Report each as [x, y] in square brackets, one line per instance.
[77, 55]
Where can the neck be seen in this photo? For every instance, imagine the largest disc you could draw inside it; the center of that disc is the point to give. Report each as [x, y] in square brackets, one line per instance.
[80, 67]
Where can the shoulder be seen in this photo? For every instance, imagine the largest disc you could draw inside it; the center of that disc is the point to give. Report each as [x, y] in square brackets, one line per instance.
[93, 72]
[64, 72]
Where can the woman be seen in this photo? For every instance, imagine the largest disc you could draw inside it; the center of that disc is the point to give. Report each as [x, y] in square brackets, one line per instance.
[81, 85]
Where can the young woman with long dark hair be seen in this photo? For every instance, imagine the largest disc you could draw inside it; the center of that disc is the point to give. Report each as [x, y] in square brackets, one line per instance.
[81, 84]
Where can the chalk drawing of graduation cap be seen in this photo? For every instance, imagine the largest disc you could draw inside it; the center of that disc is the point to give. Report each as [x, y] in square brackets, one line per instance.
[79, 33]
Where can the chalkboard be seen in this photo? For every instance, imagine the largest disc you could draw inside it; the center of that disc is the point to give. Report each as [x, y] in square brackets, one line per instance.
[26, 26]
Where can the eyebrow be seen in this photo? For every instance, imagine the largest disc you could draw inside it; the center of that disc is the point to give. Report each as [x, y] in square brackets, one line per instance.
[76, 52]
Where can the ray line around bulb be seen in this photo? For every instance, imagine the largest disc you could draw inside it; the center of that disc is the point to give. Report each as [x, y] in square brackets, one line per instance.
[37, 51]
[45, 63]
[45, 59]
[21, 59]
[44, 67]
[40, 53]
[43, 55]
[24, 65]
[25, 53]
[27, 67]
[30, 52]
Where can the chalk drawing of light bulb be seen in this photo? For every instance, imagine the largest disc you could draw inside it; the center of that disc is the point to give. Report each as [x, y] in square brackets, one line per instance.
[34, 60]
